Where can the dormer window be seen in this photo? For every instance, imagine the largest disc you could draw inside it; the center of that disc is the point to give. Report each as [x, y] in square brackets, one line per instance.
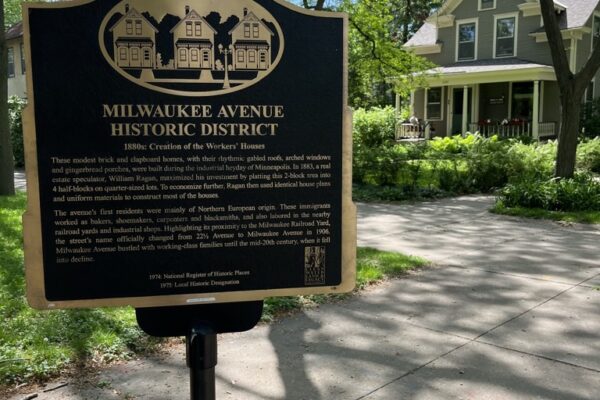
[466, 38]
[504, 36]
[487, 5]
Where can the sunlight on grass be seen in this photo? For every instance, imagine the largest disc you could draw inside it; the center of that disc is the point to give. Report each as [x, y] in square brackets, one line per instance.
[585, 217]
[38, 344]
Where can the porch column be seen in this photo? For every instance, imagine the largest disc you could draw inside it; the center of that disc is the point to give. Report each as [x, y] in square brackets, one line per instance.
[412, 103]
[535, 128]
[475, 103]
[465, 109]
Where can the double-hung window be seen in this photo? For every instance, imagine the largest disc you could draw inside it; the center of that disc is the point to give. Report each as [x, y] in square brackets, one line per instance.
[11, 62]
[466, 38]
[434, 103]
[505, 34]
[487, 5]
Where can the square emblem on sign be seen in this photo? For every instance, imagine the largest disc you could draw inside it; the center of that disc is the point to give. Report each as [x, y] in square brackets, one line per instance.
[314, 265]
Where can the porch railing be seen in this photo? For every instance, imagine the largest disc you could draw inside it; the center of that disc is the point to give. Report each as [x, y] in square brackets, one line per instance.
[502, 130]
[545, 129]
[409, 131]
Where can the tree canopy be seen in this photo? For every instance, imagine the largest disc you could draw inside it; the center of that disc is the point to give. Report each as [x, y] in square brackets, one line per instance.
[378, 65]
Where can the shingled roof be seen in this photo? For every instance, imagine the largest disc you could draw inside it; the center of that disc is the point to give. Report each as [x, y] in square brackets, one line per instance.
[14, 31]
[575, 15]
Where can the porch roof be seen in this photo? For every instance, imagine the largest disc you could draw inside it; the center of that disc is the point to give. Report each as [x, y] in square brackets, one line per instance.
[489, 71]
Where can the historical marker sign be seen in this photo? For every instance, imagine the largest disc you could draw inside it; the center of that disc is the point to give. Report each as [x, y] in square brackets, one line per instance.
[182, 152]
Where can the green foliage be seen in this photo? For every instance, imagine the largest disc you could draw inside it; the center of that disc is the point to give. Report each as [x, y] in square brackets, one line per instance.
[590, 118]
[582, 193]
[376, 53]
[453, 165]
[588, 155]
[38, 344]
[15, 112]
[585, 217]
[374, 127]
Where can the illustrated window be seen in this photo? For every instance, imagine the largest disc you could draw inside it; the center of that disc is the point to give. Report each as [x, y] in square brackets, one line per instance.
[182, 55]
[11, 62]
[467, 35]
[194, 55]
[254, 30]
[123, 53]
[505, 37]
[251, 56]
[188, 29]
[246, 30]
[129, 27]
[135, 53]
[198, 28]
[138, 27]
[434, 103]
[240, 56]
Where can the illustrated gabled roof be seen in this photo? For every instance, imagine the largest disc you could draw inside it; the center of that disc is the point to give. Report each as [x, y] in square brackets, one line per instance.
[192, 16]
[133, 13]
[575, 15]
[14, 31]
[248, 18]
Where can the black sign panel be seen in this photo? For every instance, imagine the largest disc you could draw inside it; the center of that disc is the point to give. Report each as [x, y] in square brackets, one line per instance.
[185, 151]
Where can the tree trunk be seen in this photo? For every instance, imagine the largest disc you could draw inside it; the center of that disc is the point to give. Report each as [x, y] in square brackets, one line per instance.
[7, 182]
[567, 141]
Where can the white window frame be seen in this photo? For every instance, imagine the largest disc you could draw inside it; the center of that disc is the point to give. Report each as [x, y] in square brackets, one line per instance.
[426, 101]
[480, 6]
[593, 83]
[514, 15]
[464, 22]
[596, 14]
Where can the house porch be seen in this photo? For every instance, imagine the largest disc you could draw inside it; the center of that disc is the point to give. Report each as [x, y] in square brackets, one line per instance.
[507, 100]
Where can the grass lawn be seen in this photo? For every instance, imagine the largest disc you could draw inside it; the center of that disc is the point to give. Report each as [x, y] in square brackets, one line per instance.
[586, 217]
[36, 345]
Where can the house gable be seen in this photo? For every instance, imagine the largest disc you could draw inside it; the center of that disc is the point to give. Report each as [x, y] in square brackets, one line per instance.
[191, 17]
[437, 39]
[237, 32]
[133, 23]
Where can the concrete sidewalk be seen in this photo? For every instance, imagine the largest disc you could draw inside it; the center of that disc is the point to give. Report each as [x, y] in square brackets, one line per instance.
[511, 311]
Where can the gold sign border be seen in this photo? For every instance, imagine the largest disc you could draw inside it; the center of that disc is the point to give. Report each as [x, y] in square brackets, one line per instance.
[32, 230]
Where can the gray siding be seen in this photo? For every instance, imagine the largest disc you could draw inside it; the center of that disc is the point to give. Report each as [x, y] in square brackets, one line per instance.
[527, 47]
[551, 103]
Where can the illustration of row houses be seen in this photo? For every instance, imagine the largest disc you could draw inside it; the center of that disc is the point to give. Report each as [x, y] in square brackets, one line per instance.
[134, 40]
[251, 40]
[194, 42]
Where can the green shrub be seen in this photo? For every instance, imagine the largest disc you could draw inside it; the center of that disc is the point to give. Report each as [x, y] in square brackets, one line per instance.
[590, 118]
[15, 111]
[581, 193]
[588, 155]
[373, 127]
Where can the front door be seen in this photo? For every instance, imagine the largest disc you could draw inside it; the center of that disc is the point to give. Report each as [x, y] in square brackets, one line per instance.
[457, 110]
